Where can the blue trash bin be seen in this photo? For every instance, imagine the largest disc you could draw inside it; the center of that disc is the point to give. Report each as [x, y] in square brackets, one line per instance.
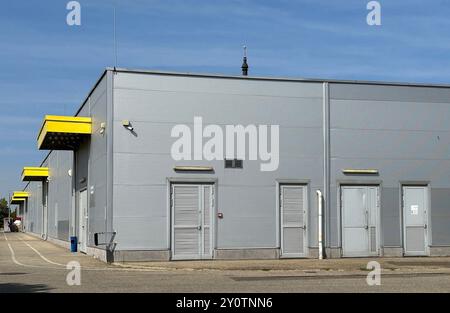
[73, 244]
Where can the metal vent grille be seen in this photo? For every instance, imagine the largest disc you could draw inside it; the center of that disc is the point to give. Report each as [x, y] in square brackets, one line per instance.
[235, 163]
[293, 206]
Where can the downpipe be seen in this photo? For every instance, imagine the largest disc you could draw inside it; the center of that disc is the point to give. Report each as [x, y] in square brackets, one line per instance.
[320, 232]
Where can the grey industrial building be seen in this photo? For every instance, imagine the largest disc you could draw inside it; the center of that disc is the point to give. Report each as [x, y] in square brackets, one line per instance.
[379, 153]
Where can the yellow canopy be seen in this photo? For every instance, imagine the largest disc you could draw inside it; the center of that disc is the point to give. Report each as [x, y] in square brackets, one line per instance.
[20, 194]
[15, 200]
[63, 132]
[34, 173]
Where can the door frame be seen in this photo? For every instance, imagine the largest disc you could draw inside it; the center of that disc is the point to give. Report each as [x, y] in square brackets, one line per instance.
[305, 187]
[377, 215]
[45, 186]
[213, 214]
[83, 247]
[428, 232]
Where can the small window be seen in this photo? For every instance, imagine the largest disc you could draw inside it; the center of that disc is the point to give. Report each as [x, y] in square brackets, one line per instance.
[229, 163]
[235, 163]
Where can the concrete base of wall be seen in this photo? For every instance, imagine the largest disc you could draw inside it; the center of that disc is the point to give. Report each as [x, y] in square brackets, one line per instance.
[33, 234]
[99, 254]
[225, 254]
[59, 242]
[440, 251]
[137, 256]
[313, 253]
[333, 253]
[392, 252]
[95, 252]
[247, 254]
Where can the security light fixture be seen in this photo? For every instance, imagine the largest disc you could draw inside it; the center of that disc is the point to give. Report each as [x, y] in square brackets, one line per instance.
[102, 128]
[127, 125]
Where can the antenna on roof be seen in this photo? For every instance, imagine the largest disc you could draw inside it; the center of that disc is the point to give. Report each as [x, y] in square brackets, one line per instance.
[244, 63]
[114, 35]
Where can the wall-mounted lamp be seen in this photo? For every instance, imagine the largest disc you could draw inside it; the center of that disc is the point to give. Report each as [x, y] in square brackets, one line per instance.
[127, 125]
[102, 128]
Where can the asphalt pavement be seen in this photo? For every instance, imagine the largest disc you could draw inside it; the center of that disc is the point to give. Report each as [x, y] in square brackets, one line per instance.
[28, 264]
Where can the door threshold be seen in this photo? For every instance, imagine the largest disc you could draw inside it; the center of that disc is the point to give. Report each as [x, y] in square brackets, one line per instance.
[293, 257]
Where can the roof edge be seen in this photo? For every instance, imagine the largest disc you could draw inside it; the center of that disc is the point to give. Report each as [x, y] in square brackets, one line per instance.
[266, 78]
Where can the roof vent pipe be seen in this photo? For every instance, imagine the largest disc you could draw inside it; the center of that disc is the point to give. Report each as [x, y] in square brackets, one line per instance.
[244, 63]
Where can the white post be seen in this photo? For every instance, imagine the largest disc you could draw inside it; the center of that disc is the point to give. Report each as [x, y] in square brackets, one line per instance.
[320, 239]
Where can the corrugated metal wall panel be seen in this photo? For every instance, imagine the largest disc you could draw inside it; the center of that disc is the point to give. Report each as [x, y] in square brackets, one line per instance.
[403, 132]
[247, 197]
[92, 162]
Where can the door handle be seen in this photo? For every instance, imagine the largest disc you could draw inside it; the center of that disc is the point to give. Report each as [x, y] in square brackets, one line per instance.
[199, 227]
[367, 220]
[425, 226]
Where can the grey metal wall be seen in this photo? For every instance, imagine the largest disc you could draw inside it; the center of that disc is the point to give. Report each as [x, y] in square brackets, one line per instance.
[91, 163]
[59, 194]
[247, 198]
[59, 198]
[89, 172]
[403, 131]
[33, 209]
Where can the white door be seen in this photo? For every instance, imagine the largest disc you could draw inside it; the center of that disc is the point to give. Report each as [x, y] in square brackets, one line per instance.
[415, 217]
[44, 210]
[360, 211]
[293, 209]
[192, 221]
[83, 221]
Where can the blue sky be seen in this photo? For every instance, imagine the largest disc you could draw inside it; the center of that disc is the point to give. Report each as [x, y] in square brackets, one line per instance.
[47, 67]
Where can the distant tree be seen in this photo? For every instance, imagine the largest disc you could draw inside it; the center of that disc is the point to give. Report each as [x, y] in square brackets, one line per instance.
[3, 210]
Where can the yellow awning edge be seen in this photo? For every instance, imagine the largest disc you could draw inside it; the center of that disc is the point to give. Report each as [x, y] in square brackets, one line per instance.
[17, 200]
[20, 194]
[34, 173]
[63, 132]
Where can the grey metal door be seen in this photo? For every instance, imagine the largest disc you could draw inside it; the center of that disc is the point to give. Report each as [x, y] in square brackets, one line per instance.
[192, 223]
[83, 221]
[415, 216]
[360, 210]
[293, 209]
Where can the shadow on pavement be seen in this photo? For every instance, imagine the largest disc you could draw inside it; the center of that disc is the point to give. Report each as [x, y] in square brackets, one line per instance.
[23, 288]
